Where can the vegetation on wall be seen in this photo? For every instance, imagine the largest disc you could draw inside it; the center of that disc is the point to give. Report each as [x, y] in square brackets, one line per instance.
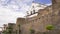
[50, 27]
[32, 31]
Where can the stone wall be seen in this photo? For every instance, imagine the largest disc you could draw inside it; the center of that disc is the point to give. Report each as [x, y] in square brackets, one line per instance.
[48, 16]
[38, 23]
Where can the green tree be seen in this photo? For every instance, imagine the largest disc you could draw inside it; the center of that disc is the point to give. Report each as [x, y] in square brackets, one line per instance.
[9, 30]
[4, 32]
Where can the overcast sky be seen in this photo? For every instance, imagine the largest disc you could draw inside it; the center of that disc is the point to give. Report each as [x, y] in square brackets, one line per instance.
[11, 9]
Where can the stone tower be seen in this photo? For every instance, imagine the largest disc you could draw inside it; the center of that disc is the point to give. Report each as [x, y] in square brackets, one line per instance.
[20, 21]
[56, 15]
[56, 5]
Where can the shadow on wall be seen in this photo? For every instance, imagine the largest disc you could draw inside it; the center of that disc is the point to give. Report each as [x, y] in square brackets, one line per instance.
[56, 31]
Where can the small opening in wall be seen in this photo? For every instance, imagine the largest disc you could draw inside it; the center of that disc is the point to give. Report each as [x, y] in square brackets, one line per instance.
[59, 13]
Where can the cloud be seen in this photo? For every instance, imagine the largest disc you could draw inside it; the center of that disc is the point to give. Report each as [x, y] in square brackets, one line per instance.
[11, 9]
[8, 15]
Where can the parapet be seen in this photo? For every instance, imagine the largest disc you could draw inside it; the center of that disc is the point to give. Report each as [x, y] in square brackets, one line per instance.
[20, 21]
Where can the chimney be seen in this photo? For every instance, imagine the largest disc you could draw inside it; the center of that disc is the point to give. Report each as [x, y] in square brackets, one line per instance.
[33, 9]
[31, 13]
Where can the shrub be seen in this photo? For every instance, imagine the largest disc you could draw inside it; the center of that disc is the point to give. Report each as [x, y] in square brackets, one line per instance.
[50, 27]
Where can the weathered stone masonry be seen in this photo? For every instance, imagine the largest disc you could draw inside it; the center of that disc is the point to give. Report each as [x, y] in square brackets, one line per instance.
[48, 16]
